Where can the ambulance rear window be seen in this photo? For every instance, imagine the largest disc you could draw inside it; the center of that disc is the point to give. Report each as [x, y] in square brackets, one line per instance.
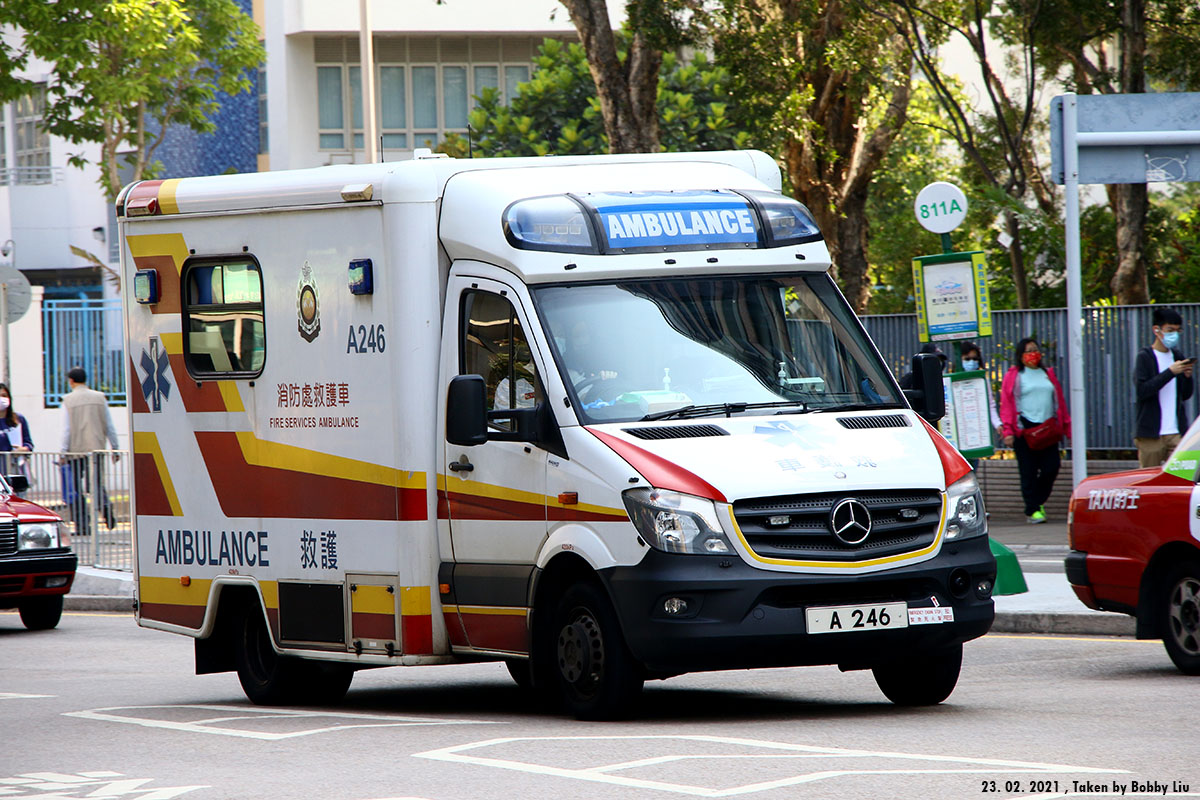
[223, 319]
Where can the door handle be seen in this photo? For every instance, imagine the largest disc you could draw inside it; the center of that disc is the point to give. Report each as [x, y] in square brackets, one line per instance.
[461, 466]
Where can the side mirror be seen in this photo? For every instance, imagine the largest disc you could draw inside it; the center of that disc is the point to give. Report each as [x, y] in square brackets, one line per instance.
[928, 397]
[466, 411]
[19, 483]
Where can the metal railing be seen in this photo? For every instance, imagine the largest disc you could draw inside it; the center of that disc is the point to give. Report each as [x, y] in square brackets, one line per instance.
[90, 491]
[88, 334]
[30, 176]
[1112, 336]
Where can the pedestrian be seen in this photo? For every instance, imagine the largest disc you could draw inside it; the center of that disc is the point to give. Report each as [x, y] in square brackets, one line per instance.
[14, 436]
[972, 360]
[1163, 378]
[89, 425]
[906, 380]
[1034, 416]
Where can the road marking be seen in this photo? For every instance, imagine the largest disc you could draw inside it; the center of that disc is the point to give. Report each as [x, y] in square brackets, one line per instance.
[61, 785]
[1092, 639]
[208, 724]
[18, 696]
[805, 756]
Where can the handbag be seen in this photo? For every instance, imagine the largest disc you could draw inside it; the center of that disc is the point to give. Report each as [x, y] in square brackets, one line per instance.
[1043, 435]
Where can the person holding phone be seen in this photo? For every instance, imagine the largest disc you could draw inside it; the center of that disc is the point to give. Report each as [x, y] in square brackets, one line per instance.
[1163, 378]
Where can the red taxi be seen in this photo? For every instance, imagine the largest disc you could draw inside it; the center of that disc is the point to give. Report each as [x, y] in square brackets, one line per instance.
[37, 565]
[1135, 549]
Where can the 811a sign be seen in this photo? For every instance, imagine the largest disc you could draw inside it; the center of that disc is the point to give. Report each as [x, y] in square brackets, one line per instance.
[940, 207]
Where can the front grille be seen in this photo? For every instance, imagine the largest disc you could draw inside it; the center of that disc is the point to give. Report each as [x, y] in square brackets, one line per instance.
[797, 526]
[8, 538]
[879, 421]
[676, 431]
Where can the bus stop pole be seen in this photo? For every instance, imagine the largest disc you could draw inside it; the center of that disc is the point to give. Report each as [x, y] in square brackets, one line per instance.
[1078, 398]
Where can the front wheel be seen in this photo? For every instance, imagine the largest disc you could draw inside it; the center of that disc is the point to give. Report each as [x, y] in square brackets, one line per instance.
[41, 613]
[595, 674]
[1180, 621]
[923, 680]
[270, 679]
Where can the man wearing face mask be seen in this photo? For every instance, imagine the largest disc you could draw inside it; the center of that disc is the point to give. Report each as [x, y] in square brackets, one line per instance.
[1164, 382]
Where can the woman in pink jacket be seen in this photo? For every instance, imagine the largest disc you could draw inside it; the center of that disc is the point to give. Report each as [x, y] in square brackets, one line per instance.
[1030, 395]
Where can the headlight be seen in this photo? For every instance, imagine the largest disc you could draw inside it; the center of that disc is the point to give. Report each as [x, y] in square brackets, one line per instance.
[964, 514]
[676, 523]
[37, 536]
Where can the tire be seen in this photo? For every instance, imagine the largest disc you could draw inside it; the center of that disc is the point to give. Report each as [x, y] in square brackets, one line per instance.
[1179, 607]
[920, 681]
[592, 672]
[41, 613]
[270, 679]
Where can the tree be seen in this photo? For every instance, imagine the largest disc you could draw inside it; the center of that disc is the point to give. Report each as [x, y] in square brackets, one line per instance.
[557, 110]
[125, 70]
[1124, 46]
[825, 85]
[627, 79]
[997, 138]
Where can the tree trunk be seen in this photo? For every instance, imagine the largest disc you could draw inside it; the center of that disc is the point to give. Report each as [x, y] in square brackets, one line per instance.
[852, 236]
[1130, 283]
[627, 92]
[1016, 259]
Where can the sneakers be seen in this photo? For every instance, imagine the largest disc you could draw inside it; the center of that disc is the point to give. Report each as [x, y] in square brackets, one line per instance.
[1037, 517]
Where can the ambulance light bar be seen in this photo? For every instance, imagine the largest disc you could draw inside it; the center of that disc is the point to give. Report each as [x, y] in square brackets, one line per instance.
[639, 222]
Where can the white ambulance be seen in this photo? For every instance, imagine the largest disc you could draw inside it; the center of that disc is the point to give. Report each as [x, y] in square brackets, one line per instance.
[606, 419]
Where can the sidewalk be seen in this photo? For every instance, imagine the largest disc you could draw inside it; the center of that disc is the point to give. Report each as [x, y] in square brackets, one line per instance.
[1050, 606]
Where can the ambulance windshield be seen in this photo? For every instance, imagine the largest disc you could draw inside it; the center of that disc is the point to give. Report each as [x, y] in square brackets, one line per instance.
[691, 347]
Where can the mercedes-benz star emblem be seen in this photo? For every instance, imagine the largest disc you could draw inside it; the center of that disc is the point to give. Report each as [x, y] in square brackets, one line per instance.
[850, 521]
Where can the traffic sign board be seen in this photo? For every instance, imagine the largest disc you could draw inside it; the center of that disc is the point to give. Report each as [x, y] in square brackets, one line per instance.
[18, 290]
[940, 207]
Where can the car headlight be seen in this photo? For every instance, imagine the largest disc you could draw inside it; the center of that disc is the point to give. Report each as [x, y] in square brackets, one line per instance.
[964, 514]
[675, 522]
[37, 536]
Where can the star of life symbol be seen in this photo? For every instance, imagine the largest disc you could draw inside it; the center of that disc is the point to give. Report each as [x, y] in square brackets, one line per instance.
[156, 388]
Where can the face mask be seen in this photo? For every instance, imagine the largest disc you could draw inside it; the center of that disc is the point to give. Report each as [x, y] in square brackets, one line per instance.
[1032, 359]
[1171, 340]
[970, 364]
[4, 403]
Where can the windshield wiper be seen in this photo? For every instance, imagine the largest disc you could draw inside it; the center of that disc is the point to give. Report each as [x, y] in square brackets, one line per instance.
[728, 409]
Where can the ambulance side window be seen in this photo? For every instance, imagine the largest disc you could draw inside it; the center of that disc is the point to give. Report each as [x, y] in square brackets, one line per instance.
[494, 345]
[223, 318]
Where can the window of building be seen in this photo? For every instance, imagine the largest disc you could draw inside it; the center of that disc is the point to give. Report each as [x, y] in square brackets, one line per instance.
[223, 317]
[31, 145]
[425, 86]
[494, 346]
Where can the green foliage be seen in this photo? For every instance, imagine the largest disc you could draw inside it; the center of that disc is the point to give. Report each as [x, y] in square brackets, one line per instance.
[124, 70]
[557, 113]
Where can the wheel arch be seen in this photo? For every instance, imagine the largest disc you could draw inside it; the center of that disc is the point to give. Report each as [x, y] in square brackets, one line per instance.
[1151, 585]
[216, 642]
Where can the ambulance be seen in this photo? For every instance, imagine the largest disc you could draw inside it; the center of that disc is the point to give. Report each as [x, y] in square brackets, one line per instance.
[605, 419]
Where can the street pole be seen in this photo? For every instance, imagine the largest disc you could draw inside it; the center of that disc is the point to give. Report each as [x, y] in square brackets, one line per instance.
[4, 333]
[367, 57]
[1078, 400]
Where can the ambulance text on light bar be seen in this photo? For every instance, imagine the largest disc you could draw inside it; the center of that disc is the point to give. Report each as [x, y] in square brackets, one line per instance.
[631, 222]
[677, 220]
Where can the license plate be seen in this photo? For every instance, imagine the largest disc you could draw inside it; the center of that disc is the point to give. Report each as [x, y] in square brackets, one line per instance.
[847, 619]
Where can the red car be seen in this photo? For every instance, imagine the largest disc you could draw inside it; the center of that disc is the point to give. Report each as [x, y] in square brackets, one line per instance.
[1135, 549]
[37, 565]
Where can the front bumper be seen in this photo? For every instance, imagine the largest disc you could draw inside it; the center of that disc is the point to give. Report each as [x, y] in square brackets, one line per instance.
[740, 617]
[27, 574]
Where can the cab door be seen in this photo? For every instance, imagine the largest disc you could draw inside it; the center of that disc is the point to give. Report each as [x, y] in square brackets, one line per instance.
[495, 493]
